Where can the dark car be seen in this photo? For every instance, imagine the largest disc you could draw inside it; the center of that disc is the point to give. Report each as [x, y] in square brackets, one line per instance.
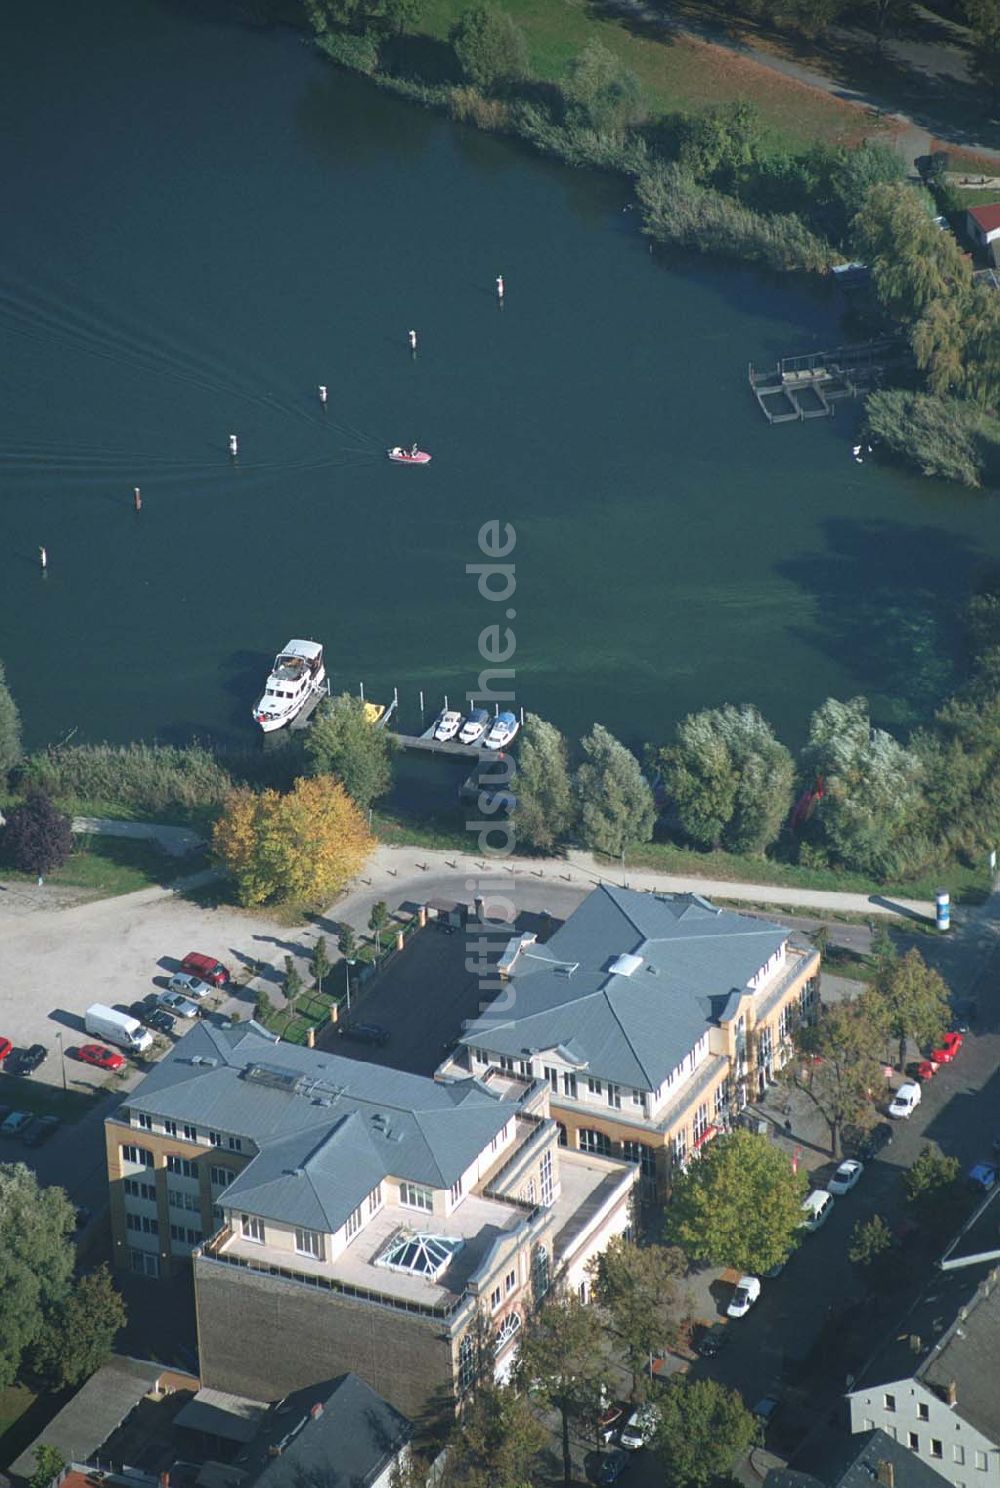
[611, 1468]
[712, 1340]
[872, 1143]
[153, 1016]
[40, 1130]
[365, 1033]
[26, 1061]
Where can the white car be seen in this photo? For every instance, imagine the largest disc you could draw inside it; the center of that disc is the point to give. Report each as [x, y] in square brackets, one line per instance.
[181, 1007]
[905, 1101]
[846, 1176]
[816, 1209]
[447, 726]
[640, 1428]
[190, 986]
[746, 1293]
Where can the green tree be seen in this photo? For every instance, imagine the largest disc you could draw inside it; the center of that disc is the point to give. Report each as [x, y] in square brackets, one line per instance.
[497, 1442]
[821, 940]
[291, 983]
[872, 787]
[38, 838]
[378, 920]
[545, 804]
[913, 1001]
[560, 1363]
[303, 846]
[837, 1065]
[342, 741]
[49, 1463]
[911, 260]
[80, 1331]
[36, 1261]
[984, 22]
[491, 49]
[870, 1242]
[930, 1176]
[10, 729]
[603, 94]
[739, 1205]
[855, 171]
[729, 778]
[321, 963]
[347, 943]
[704, 1427]
[637, 1287]
[720, 143]
[614, 798]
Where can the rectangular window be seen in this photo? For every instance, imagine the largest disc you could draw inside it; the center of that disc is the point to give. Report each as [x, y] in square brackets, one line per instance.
[913, 1441]
[958, 1455]
[170, 1127]
[310, 1243]
[545, 1178]
[614, 1097]
[215, 1138]
[178, 1164]
[721, 1100]
[235, 1144]
[923, 1411]
[222, 1177]
[137, 1190]
[553, 1078]
[889, 1402]
[192, 1203]
[145, 1121]
[175, 1198]
[529, 1193]
[680, 1145]
[190, 1133]
[456, 1191]
[375, 1199]
[353, 1224]
[411, 1196]
[496, 1296]
[569, 1084]
[638, 1098]
[937, 1450]
[510, 1281]
[507, 1064]
[252, 1228]
[138, 1155]
[700, 1122]
[595, 1087]
[980, 1461]
[194, 1237]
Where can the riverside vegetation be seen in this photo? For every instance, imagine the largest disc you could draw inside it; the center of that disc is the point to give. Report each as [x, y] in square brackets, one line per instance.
[719, 181]
[857, 807]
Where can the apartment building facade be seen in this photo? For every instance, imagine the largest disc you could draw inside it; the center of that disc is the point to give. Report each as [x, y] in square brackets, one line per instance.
[652, 1019]
[344, 1216]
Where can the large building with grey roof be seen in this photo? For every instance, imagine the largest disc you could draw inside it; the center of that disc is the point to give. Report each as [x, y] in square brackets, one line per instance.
[341, 1215]
[652, 1018]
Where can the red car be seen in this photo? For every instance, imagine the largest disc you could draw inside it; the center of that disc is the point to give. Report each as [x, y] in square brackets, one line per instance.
[926, 1069]
[97, 1054]
[5, 1048]
[206, 967]
[950, 1045]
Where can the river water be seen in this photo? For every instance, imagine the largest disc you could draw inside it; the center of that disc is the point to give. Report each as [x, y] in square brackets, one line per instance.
[203, 222]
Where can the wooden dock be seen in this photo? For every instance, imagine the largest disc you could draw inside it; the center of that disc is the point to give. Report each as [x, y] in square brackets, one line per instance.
[301, 719]
[810, 386]
[429, 745]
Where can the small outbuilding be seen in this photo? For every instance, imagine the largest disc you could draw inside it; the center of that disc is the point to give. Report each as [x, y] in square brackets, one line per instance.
[983, 227]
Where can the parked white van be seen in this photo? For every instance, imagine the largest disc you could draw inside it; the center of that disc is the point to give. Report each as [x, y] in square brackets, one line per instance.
[906, 1100]
[117, 1028]
[815, 1209]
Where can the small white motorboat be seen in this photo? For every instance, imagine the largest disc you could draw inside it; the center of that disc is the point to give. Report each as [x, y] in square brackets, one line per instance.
[447, 726]
[297, 674]
[412, 456]
[505, 726]
[474, 727]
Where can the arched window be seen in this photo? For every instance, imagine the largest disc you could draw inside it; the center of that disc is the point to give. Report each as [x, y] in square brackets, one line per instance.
[595, 1141]
[508, 1330]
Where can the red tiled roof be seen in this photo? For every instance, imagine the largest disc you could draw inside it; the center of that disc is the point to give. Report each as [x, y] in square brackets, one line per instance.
[988, 218]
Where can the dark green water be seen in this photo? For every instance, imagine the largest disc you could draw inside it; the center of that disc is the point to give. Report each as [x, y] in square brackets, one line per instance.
[202, 223]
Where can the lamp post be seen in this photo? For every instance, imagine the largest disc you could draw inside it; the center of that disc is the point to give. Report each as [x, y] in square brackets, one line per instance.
[62, 1056]
[348, 963]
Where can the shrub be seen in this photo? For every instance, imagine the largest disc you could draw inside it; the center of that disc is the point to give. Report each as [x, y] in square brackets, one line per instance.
[358, 53]
[469, 106]
[140, 777]
[938, 435]
[37, 837]
[491, 48]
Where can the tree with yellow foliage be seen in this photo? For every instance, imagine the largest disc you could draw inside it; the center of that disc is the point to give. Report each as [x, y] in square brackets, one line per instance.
[302, 846]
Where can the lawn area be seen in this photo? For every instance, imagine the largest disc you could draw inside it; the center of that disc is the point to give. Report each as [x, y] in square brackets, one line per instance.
[966, 885]
[15, 1403]
[396, 830]
[677, 73]
[106, 866]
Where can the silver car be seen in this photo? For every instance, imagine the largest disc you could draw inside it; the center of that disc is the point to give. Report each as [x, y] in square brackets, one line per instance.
[190, 986]
[181, 1007]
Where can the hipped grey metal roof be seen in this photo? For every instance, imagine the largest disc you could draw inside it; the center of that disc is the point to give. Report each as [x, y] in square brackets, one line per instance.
[326, 1129]
[635, 1029]
[348, 1443]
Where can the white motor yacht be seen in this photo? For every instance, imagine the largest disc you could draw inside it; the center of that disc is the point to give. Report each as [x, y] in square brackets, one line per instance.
[297, 675]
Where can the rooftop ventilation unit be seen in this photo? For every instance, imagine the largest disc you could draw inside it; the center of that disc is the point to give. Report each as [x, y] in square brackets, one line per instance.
[625, 965]
[274, 1077]
[205, 1060]
[566, 968]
